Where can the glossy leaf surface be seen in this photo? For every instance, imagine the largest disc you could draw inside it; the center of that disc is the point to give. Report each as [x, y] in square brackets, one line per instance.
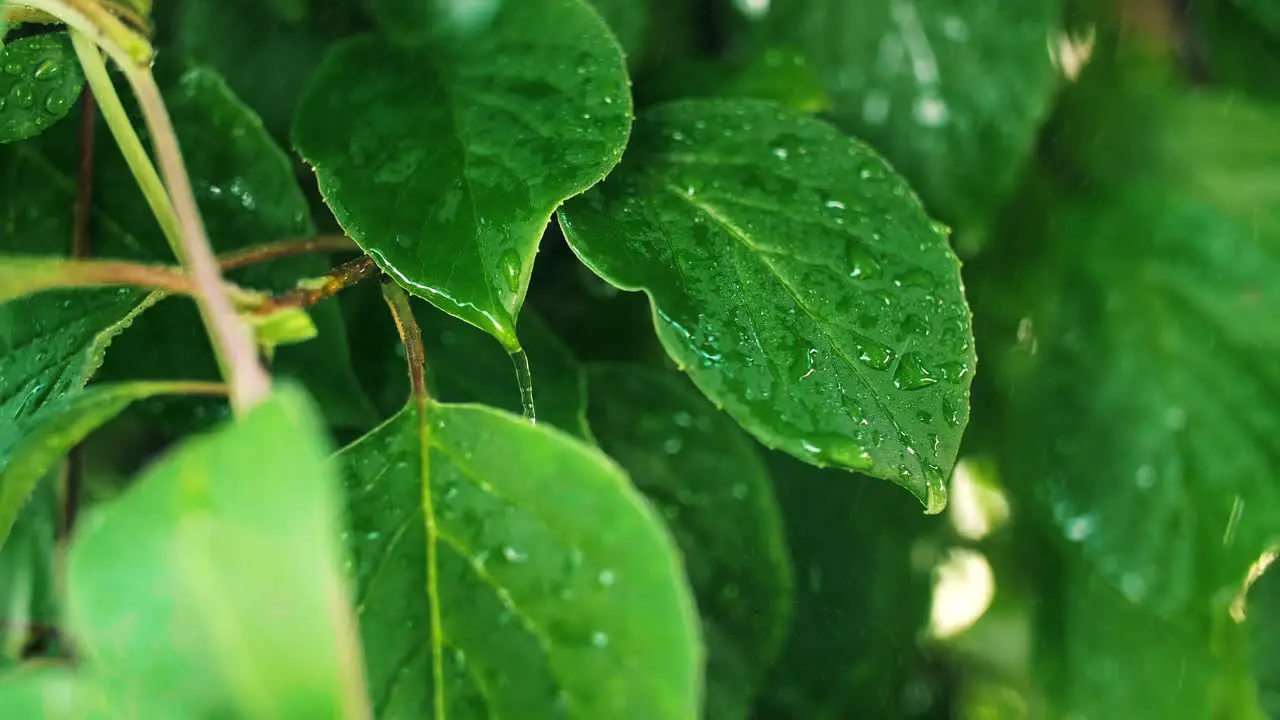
[951, 92]
[1149, 330]
[174, 588]
[504, 569]
[40, 79]
[445, 158]
[832, 325]
[706, 477]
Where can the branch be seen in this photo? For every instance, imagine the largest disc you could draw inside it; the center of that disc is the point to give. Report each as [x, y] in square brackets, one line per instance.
[337, 280]
[411, 336]
[286, 248]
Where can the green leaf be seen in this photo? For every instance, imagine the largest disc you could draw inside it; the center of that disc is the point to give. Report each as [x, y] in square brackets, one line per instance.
[516, 573]
[50, 693]
[1266, 13]
[1263, 631]
[32, 443]
[830, 324]
[862, 597]
[28, 604]
[707, 478]
[629, 20]
[174, 588]
[445, 160]
[1142, 398]
[951, 92]
[40, 80]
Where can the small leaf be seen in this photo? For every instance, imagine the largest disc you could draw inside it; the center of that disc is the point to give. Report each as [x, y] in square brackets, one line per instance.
[32, 443]
[174, 588]
[1162, 472]
[797, 280]
[445, 160]
[862, 597]
[40, 80]
[951, 92]
[704, 474]
[515, 574]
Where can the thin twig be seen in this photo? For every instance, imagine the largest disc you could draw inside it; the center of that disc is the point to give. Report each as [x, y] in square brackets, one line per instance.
[286, 248]
[337, 280]
[416, 357]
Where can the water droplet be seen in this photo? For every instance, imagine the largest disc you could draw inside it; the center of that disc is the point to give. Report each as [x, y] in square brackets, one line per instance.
[935, 486]
[14, 68]
[21, 94]
[780, 153]
[524, 378]
[915, 278]
[834, 205]
[950, 414]
[672, 445]
[924, 416]
[56, 104]
[931, 111]
[862, 263]
[599, 639]
[513, 555]
[47, 70]
[739, 491]
[912, 373]
[683, 419]
[606, 578]
[953, 371]
[372, 536]
[509, 264]
[874, 355]
[875, 107]
[838, 450]
[915, 325]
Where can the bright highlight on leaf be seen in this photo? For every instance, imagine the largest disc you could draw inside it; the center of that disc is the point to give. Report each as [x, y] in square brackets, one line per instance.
[797, 280]
[444, 157]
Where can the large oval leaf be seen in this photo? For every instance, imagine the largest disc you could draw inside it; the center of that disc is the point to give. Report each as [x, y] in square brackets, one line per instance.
[40, 80]
[951, 91]
[797, 279]
[505, 570]
[444, 159]
[174, 589]
[710, 483]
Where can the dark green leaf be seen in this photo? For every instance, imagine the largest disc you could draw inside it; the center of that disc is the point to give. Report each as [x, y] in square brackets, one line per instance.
[40, 79]
[445, 160]
[707, 478]
[629, 21]
[778, 74]
[174, 589]
[798, 281]
[951, 92]
[1266, 13]
[28, 608]
[862, 598]
[1144, 394]
[1263, 630]
[517, 574]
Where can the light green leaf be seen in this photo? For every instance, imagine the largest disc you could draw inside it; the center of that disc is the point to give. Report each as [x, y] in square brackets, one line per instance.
[445, 159]
[515, 574]
[40, 80]
[862, 598]
[707, 478]
[50, 693]
[1142, 398]
[32, 443]
[174, 589]
[951, 92]
[797, 280]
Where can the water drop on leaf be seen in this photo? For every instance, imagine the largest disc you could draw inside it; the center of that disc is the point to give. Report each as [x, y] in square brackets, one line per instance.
[912, 373]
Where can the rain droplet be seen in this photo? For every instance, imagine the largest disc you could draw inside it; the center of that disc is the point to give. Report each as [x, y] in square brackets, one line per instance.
[1080, 527]
[21, 95]
[862, 263]
[912, 373]
[56, 104]
[950, 414]
[838, 450]
[509, 264]
[874, 355]
[47, 70]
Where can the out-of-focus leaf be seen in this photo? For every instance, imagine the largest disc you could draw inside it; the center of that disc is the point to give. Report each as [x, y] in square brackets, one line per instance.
[28, 607]
[707, 478]
[1141, 389]
[862, 599]
[505, 569]
[778, 74]
[797, 280]
[1263, 631]
[40, 79]
[629, 21]
[951, 92]
[445, 158]
[174, 588]
[1266, 13]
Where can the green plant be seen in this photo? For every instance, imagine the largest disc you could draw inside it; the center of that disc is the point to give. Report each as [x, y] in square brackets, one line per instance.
[629, 487]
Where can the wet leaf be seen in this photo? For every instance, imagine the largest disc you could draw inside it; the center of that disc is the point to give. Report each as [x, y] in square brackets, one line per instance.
[1141, 393]
[862, 598]
[951, 92]
[444, 159]
[40, 80]
[516, 573]
[193, 557]
[832, 325]
[706, 477]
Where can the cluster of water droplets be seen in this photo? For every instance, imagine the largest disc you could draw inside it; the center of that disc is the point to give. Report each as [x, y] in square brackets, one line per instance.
[36, 96]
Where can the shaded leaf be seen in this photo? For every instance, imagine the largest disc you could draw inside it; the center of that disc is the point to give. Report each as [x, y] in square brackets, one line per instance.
[1263, 632]
[832, 326]
[862, 598]
[515, 574]
[1142, 398]
[1266, 13]
[951, 92]
[445, 160]
[629, 20]
[704, 474]
[173, 588]
[28, 607]
[40, 79]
